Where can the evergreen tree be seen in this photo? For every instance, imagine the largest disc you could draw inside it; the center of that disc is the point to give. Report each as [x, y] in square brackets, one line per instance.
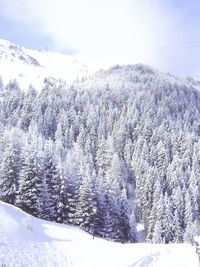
[52, 178]
[9, 174]
[30, 190]
[86, 205]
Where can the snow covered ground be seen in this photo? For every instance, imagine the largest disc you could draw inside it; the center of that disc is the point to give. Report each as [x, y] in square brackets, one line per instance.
[27, 241]
[32, 66]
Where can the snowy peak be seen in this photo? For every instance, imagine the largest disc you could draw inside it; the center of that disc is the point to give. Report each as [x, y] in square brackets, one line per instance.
[33, 66]
[15, 53]
[29, 66]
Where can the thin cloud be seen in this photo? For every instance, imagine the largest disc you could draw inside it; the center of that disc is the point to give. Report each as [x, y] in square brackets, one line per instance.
[113, 29]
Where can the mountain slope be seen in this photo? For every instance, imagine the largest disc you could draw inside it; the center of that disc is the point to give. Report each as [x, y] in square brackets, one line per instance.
[27, 241]
[33, 66]
[118, 148]
[130, 131]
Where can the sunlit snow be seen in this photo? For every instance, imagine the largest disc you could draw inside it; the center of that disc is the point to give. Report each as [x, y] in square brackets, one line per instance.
[33, 66]
[27, 241]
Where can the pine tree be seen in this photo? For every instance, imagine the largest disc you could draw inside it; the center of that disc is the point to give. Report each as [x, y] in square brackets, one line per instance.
[73, 171]
[30, 190]
[168, 220]
[86, 205]
[61, 202]
[157, 236]
[9, 174]
[100, 216]
[52, 179]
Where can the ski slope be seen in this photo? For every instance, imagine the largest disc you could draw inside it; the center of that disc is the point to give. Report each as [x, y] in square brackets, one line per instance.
[27, 241]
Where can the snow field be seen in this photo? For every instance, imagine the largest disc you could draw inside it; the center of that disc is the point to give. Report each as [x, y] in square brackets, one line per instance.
[27, 241]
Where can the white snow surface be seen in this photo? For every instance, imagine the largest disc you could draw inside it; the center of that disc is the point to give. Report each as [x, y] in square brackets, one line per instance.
[33, 66]
[29, 66]
[27, 241]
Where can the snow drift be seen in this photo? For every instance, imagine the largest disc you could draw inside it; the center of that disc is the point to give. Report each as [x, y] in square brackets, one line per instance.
[28, 241]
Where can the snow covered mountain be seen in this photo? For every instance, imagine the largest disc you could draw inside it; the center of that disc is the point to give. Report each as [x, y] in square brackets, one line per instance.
[33, 66]
[131, 131]
[29, 66]
[27, 241]
[117, 149]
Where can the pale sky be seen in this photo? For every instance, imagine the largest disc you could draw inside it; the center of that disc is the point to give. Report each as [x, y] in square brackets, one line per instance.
[161, 33]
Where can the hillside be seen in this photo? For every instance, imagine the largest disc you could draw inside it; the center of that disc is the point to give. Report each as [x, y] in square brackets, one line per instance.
[113, 150]
[27, 241]
[33, 66]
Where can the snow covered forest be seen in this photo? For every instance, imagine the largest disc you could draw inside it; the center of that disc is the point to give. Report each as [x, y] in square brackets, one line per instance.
[119, 148]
